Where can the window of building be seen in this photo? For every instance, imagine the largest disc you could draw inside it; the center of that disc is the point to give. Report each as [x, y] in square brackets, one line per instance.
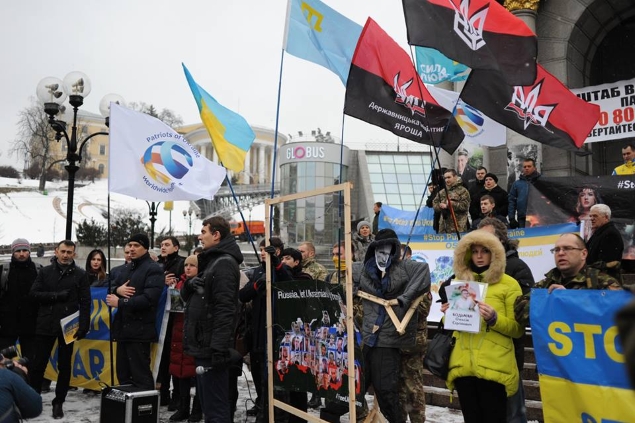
[101, 169]
[399, 179]
[102, 150]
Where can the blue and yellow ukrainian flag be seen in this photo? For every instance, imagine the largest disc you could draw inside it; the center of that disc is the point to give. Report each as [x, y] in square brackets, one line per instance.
[579, 357]
[321, 35]
[230, 133]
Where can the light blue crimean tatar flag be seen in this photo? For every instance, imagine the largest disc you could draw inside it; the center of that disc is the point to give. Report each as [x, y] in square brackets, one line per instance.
[434, 67]
[152, 162]
[319, 34]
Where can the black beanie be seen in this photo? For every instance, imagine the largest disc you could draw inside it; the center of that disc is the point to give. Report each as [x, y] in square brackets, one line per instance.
[491, 175]
[386, 234]
[293, 253]
[141, 239]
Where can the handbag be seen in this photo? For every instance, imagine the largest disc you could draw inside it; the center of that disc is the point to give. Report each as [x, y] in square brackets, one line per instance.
[437, 358]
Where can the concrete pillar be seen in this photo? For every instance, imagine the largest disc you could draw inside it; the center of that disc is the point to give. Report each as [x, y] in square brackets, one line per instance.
[246, 175]
[261, 164]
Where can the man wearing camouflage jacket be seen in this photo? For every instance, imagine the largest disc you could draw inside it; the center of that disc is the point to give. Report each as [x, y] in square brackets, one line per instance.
[571, 272]
[459, 203]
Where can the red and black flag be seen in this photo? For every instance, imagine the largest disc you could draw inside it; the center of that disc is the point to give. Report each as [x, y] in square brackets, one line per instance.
[545, 111]
[385, 90]
[480, 34]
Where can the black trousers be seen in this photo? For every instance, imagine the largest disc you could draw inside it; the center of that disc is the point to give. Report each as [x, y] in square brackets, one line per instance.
[212, 388]
[44, 346]
[133, 364]
[482, 401]
[382, 371]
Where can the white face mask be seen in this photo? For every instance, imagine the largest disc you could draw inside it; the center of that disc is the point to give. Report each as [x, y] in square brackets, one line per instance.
[382, 254]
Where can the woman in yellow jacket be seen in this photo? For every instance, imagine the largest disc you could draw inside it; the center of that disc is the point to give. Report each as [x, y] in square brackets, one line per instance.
[482, 365]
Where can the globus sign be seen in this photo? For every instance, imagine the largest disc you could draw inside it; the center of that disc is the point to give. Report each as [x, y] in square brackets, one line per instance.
[300, 152]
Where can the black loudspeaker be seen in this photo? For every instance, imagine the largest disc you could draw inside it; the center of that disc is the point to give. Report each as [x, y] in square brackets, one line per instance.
[128, 404]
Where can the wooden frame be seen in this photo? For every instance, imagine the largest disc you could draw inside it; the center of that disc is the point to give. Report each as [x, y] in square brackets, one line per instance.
[346, 189]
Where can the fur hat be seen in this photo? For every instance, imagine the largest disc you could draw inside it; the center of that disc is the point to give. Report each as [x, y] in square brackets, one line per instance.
[463, 256]
[141, 239]
[20, 244]
[193, 259]
[491, 175]
[293, 253]
[363, 223]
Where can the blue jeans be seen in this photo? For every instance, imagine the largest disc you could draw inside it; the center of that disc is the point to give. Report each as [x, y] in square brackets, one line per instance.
[213, 392]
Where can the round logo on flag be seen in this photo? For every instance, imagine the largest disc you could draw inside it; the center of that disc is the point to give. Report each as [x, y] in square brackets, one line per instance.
[470, 119]
[166, 160]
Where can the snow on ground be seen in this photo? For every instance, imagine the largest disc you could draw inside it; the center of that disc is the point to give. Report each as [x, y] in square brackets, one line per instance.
[82, 408]
[39, 217]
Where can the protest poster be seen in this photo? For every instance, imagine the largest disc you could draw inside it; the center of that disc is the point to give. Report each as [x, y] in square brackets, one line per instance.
[463, 314]
[579, 357]
[310, 347]
[70, 325]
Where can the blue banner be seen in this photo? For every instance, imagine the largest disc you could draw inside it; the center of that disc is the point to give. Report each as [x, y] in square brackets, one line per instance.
[401, 221]
[579, 356]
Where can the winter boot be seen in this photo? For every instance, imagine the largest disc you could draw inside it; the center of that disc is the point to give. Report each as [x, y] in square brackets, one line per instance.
[183, 412]
[197, 414]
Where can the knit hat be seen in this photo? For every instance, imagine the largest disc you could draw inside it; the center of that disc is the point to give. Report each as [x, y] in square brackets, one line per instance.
[363, 223]
[193, 259]
[386, 234]
[20, 244]
[141, 239]
[491, 175]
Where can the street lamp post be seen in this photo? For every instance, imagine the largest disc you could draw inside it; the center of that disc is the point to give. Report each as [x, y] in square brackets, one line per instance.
[153, 209]
[187, 215]
[52, 92]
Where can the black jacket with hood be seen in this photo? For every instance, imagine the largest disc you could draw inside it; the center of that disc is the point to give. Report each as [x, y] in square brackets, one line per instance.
[210, 315]
[404, 281]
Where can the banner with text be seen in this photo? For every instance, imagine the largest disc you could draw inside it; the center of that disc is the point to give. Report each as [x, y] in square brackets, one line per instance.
[90, 363]
[438, 251]
[401, 221]
[617, 105]
[310, 351]
[554, 200]
[579, 356]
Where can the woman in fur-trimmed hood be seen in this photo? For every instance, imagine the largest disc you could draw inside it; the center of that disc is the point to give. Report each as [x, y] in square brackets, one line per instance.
[482, 365]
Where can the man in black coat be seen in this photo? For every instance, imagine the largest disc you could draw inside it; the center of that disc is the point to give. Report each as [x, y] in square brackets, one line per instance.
[60, 289]
[136, 295]
[210, 316]
[18, 314]
[606, 242]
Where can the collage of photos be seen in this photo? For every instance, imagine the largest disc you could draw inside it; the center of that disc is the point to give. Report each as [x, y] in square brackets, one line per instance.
[313, 356]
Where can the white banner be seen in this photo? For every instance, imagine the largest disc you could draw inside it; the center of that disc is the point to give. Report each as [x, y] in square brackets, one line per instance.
[152, 162]
[617, 105]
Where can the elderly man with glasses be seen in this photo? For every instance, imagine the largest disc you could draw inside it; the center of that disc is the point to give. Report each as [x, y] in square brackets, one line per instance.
[571, 272]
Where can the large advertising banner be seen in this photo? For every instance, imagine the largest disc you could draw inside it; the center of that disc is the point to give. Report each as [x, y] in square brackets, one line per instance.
[310, 349]
[401, 221]
[90, 363]
[438, 251]
[579, 357]
[555, 200]
[617, 105]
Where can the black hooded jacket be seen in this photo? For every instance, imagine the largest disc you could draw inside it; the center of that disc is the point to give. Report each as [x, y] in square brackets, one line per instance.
[18, 314]
[210, 315]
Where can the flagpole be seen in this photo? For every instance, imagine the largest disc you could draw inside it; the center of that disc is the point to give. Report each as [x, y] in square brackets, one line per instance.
[339, 196]
[438, 148]
[111, 347]
[275, 142]
[242, 216]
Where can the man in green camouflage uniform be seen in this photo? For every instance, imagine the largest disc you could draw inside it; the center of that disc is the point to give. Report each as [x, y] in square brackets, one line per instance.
[460, 200]
[309, 265]
[411, 393]
[571, 272]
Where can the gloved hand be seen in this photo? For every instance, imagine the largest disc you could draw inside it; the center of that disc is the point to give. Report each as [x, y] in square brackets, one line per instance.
[521, 310]
[198, 284]
[271, 250]
[513, 223]
[219, 358]
[62, 295]
[80, 334]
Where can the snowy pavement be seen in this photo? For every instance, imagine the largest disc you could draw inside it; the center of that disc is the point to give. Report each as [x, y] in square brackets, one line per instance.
[83, 408]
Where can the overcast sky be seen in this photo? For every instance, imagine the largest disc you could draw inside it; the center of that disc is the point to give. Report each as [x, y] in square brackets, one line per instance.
[135, 48]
